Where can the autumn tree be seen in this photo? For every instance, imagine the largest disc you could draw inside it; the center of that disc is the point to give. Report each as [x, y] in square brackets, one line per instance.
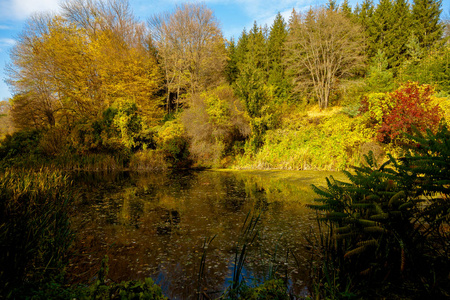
[190, 48]
[6, 124]
[323, 46]
[48, 54]
[73, 66]
[122, 54]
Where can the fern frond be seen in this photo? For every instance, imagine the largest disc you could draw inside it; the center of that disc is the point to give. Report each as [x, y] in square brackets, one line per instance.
[382, 216]
[396, 199]
[366, 271]
[343, 236]
[378, 208]
[318, 207]
[372, 242]
[374, 229]
[366, 222]
[343, 229]
[355, 251]
[362, 205]
[372, 198]
[406, 205]
[336, 215]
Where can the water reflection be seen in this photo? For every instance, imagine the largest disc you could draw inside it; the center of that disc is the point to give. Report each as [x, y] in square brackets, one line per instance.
[155, 225]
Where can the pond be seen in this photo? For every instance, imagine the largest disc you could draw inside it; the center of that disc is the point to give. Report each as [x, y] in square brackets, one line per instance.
[155, 225]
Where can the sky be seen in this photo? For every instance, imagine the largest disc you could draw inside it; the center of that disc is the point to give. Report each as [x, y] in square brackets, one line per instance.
[233, 15]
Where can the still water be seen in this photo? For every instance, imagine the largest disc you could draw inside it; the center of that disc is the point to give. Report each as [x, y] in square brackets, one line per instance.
[155, 225]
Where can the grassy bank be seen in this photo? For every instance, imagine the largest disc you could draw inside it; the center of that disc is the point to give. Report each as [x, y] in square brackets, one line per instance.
[313, 140]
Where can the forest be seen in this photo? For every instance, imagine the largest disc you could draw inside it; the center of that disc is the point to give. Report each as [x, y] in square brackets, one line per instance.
[363, 89]
[95, 88]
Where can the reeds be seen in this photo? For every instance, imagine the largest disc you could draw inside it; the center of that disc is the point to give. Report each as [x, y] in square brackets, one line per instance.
[34, 227]
[148, 160]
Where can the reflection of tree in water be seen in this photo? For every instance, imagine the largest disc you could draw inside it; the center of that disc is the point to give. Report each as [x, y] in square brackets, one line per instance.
[169, 220]
[131, 208]
[155, 224]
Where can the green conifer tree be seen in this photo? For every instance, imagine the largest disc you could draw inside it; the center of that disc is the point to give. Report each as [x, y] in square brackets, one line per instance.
[275, 45]
[346, 10]
[363, 15]
[231, 69]
[332, 5]
[400, 32]
[380, 79]
[380, 31]
[252, 66]
[241, 48]
[426, 22]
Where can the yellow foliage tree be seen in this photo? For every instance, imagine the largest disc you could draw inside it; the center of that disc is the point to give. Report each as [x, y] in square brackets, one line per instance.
[72, 67]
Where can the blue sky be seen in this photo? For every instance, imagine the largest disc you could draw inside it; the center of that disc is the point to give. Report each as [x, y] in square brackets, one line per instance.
[233, 15]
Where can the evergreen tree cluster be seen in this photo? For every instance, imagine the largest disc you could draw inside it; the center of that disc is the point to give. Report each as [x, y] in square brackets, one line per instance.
[398, 28]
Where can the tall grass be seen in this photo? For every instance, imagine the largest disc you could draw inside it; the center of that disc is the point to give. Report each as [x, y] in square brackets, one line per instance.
[34, 228]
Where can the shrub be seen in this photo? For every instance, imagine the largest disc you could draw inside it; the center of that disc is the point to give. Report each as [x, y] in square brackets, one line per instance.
[171, 140]
[214, 123]
[271, 289]
[148, 160]
[19, 144]
[132, 289]
[54, 141]
[398, 112]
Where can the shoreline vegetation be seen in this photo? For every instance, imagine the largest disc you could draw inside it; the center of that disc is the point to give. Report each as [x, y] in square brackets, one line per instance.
[364, 90]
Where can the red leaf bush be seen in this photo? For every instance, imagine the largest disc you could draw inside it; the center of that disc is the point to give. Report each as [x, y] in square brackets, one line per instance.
[410, 106]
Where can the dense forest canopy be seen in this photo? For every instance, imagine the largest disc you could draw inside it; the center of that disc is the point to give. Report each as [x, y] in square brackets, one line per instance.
[94, 79]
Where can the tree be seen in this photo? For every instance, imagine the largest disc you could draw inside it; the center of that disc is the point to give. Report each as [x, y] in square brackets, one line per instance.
[48, 55]
[364, 16]
[323, 47]
[253, 66]
[346, 10]
[231, 69]
[6, 124]
[72, 67]
[380, 29]
[122, 55]
[191, 48]
[277, 76]
[426, 22]
[400, 32]
[380, 79]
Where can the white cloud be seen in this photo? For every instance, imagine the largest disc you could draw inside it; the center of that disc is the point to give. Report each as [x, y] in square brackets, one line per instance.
[22, 9]
[7, 42]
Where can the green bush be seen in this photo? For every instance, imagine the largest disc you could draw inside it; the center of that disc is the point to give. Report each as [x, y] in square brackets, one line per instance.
[171, 140]
[20, 146]
[271, 289]
[132, 289]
